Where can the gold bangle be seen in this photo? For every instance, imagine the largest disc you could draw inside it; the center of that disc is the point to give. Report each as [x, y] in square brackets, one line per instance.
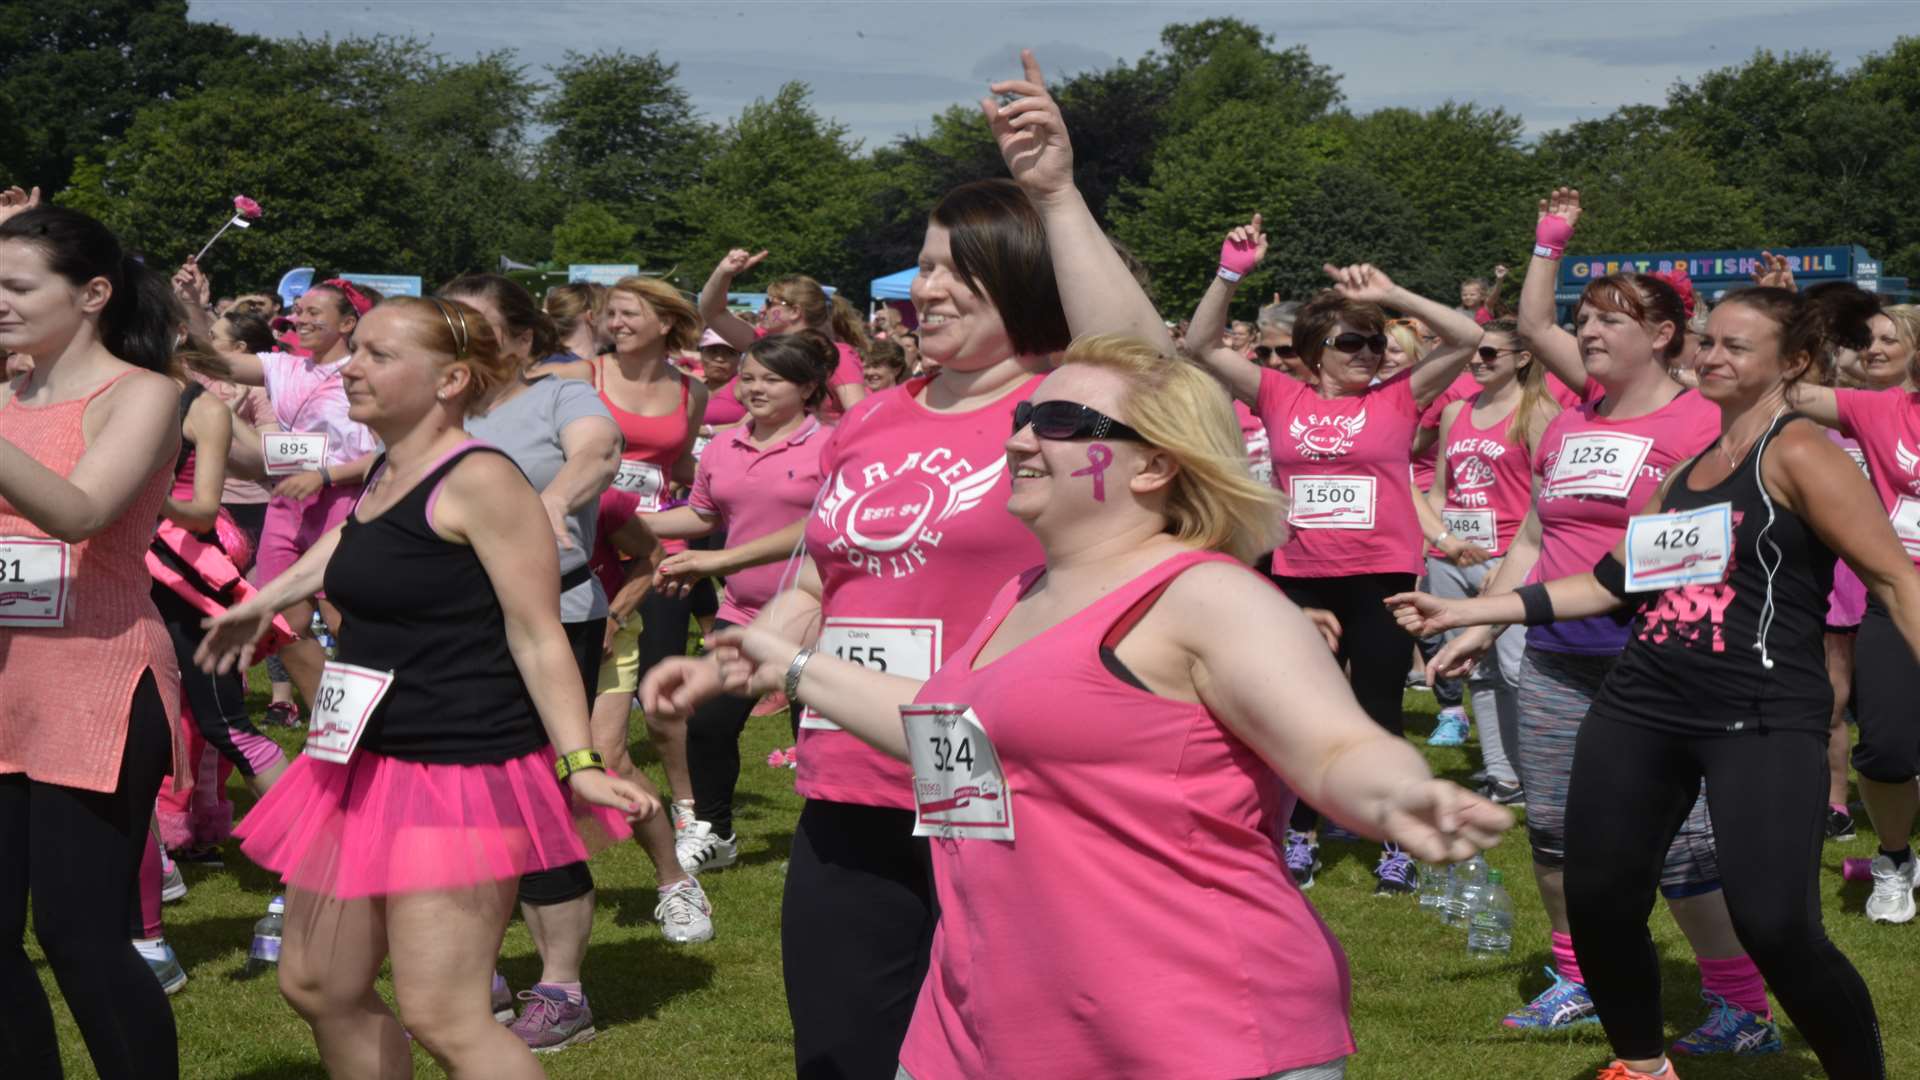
[568, 764]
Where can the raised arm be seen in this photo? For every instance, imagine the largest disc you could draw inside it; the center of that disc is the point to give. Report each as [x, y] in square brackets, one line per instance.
[1098, 292]
[713, 297]
[1242, 250]
[1556, 348]
[141, 412]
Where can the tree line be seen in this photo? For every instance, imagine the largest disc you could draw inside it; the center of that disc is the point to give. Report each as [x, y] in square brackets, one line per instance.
[380, 155]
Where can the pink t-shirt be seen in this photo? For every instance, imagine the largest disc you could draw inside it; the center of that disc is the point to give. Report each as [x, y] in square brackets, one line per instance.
[1847, 603]
[1142, 922]
[1594, 474]
[754, 491]
[308, 397]
[1489, 481]
[1344, 464]
[910, 537]
[1886, 423]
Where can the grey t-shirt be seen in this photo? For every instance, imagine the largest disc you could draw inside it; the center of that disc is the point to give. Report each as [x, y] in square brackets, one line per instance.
[527, 429]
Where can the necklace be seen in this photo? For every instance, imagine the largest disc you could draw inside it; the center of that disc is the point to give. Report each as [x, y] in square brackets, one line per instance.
[1733, 460]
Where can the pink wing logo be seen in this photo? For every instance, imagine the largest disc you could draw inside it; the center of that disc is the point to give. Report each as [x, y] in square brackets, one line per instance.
[1320, 437]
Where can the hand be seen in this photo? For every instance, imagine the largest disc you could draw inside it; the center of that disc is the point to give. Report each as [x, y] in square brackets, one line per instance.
[1327, 623]
[753, 663]
[300, 486]
[191, 285]
[1365, 283]
[602, 788]
[677, 685]
[606, 639]
[557, 517]
[1423, 614]
[13, 201]
[231, 636]
[1775, 273]
[1456, 658]
[1436, 821]
[1459, 552]
[1500, 272]
[1031, 132]
[679, 573]
[1244, 247]
[739, 261]
[1558, 214]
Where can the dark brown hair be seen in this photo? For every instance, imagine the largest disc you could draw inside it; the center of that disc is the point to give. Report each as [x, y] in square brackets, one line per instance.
[515, 305]
[1643, 298]
[1828, 316]
[804, 358]
[249, 329]
[1328, 309]
[888, 355]
[1000, 251]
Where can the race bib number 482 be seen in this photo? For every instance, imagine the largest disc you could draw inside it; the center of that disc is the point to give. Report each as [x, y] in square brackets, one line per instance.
[342, 705]
[905, 647]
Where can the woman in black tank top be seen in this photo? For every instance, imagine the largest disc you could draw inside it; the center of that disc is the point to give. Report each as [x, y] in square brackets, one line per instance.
[1723, 680]
[406, 824]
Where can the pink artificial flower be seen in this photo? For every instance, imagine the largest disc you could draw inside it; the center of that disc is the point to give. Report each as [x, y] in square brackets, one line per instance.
[247, 207]
[777, 759]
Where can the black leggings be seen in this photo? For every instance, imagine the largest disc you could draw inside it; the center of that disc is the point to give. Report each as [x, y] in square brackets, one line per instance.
[856, 926]
[1372, 645]
[1884, 675]
[218, 702]
[1767, 797]
[75, 853]
[713, 754]
[545, 888]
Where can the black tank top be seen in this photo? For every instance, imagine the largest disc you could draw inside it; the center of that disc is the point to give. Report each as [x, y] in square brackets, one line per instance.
[1692, 664]
[423, 607]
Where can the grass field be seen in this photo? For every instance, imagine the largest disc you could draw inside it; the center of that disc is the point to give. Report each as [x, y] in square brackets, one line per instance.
[1422, 1007]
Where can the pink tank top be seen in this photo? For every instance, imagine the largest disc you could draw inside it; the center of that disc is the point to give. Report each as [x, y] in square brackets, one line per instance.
[653, 439]
[1489, 480]
[1142, 923]
[910, 533]
[65, 691]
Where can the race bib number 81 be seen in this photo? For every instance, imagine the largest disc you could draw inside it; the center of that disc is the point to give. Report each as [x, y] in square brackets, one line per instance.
[35, 574]
[1686, 547]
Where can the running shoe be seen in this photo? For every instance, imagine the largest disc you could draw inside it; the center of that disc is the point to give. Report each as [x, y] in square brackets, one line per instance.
[1563, 1005]
[1505, 794]
[1450, 728]
[1332, 833]
[502, 999]
[1619, 1071]
[699, 849]
[552, 1022]
[684, 913]
[283, 714]
[1729, 1029]
[1303, 857]
[1397, 873]
[167, 969]
[1840, 825]
[682, 817]
[1892, 899]
[206, 856]
[173, 884]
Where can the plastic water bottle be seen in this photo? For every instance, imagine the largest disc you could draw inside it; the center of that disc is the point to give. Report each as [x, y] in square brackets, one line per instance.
[1469, 881]
[1436, 884]
[1490, 923]
[322, 633]
[264, 954]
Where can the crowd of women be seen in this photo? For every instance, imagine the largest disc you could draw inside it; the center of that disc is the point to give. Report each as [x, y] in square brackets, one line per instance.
[1654, 545]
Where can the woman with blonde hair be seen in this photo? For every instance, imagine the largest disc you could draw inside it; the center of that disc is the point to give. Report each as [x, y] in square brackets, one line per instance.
[1152, 771]
[794, 302]
[576, 309]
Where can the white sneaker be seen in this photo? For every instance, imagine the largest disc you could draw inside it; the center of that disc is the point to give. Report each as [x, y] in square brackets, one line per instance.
[173, 886]
[684, 914]
[699, 849]
[1892, 899]
[682, 817]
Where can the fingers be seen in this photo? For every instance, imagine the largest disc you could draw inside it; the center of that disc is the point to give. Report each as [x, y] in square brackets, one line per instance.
[1027, 61]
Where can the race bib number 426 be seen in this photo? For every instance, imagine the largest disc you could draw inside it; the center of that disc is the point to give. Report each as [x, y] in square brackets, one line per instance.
[35, 574]
[1685, 547]
[905, 647]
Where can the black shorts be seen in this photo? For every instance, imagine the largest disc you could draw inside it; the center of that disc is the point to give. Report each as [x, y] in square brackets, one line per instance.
[1884, 675]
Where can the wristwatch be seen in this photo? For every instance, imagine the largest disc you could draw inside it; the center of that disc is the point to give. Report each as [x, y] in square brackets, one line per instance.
[568, 764]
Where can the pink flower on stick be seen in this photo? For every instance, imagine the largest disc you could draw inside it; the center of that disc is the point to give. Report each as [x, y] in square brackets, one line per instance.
[246, 211]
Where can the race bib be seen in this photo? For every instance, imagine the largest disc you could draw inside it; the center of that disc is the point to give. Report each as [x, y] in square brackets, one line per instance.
[1260, 456]
[905, 647]
[1685, 547]
[1859, 457]
[1476, 527]
[1598, 463]
[347, 696]
[35, 576]
[289, 452]
[959, 787]
[1331, 502]
[1906, 523]
[642, 478]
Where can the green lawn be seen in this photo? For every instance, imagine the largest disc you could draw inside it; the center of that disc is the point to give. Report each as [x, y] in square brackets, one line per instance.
[1422, 1007]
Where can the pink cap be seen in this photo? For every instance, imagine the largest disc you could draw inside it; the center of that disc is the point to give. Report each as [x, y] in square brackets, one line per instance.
[712, 338]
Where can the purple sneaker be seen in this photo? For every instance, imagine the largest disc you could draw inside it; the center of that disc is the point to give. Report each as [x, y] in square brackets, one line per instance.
[552, 1022]
[502, 996]
[1303, 858]
[1395, 871]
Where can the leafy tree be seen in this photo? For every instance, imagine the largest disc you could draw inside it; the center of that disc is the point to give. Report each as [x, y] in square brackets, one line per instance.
[1216, 61]
[592, 234]
[1349, 215]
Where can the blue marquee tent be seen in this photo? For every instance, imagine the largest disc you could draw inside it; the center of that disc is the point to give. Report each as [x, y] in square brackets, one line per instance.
[894, 286]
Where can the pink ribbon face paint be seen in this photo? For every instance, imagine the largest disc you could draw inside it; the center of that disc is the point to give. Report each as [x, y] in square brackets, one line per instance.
[1099, 456]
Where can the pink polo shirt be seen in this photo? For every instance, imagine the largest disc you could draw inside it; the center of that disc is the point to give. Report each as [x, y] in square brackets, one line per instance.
[1886, 423]
[308, 397]
[754, 491]
[1345, 464]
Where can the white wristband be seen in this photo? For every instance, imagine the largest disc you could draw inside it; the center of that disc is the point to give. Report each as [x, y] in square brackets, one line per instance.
[1545, 252]
[1228, 275]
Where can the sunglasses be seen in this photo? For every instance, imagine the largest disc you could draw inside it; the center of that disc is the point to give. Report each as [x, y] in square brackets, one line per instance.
[1060, 421]
[1263, 353]
[1351, 342]
[1489, 353]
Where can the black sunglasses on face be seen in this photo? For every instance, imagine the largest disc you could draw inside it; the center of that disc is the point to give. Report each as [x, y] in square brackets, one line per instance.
[1352, 343]
[1060, 421]
[1263, 353]
[1489, 353]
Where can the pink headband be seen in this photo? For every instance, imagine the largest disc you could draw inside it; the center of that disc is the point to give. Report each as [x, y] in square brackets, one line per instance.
[1682, 284]
[361, 305]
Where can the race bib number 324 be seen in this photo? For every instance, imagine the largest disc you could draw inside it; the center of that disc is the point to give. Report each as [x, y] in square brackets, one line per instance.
[959, 785]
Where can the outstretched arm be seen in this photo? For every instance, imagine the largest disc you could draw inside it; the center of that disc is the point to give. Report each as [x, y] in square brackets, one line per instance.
[1459, 334]
[1555, 347]
[1243, 249]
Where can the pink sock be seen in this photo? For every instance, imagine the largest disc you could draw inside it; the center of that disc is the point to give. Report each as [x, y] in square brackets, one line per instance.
[1738, 981]
[1563, 959]
[150, 875]
[571, 989]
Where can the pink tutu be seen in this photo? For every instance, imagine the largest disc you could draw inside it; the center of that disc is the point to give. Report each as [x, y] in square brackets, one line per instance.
[379, 825]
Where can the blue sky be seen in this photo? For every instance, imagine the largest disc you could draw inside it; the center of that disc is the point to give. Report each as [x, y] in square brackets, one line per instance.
[884, 68]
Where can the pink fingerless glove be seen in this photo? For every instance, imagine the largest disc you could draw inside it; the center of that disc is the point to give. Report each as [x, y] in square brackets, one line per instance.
[1551, 236]
[1237, 258]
